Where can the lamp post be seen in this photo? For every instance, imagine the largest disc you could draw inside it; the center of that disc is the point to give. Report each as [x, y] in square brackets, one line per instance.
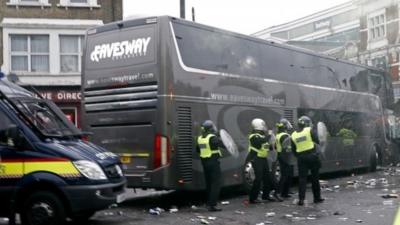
[182, 7]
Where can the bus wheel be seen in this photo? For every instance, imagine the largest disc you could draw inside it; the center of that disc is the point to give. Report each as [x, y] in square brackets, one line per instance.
[249, 176]
[373, 160]
[43, 208]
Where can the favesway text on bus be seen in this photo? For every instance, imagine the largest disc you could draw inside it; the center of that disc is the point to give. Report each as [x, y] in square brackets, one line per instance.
[259, 100]
[121, 49]
[122, 79]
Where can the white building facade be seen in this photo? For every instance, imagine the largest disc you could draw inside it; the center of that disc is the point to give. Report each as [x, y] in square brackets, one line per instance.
[363, 31]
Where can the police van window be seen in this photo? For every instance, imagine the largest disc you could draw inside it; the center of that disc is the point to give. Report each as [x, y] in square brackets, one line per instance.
[42, 116]
[5, 125]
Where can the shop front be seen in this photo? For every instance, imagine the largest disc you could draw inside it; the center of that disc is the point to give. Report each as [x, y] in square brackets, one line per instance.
[68, 98]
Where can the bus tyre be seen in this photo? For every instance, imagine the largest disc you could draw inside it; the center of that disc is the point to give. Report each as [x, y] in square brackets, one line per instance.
[373, 161]
[248, 176]
[43, 208]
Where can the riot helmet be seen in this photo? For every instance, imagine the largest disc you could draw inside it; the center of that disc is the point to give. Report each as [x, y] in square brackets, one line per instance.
[304, 121]
[208, 126]
[259, 125]
[284, 124]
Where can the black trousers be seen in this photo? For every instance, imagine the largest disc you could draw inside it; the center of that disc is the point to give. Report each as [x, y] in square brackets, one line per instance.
[262, 176]
[286, 177]
[309, 162]
[212, 174]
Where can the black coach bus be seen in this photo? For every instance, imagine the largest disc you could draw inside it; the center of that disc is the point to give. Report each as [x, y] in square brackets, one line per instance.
[149, 83]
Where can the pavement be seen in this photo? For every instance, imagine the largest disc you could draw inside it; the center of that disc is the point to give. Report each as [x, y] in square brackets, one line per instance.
[365, 198]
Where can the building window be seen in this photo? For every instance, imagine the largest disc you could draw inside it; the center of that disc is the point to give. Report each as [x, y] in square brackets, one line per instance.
[29, 2]
[70, 53]
[30, 53]
[377, 26]
[79, 3]
[396, 91]
[379, 62]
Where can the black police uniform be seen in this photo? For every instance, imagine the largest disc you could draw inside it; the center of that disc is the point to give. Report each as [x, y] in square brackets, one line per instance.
[212, 172]
[261, 169]
[285, 158]
[308, 161]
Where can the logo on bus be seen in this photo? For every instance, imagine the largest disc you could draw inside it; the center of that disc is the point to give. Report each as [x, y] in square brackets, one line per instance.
[122, 49]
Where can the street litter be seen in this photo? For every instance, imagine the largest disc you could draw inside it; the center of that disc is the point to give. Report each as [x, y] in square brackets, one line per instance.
[297, 218]
[225, 203]
[311, 218]
[289, 216]
[173, 210]
[389, 195]
[194, 207]
[359, 221]
[239, 212]
[338, 213]
[265, 222]
[388, 202]
[113, 206]
[336, 186]
[323, 183]
[270, 214]
[201, 217]
[212, 218]
[343, 218]
[204, 221]
[108, 213]
[154, 212]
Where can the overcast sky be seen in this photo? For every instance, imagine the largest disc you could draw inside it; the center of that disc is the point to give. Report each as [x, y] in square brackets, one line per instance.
[243, 16]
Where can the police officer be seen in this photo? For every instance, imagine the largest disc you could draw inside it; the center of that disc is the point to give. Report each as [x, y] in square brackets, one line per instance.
[259, 145]
[208, 145]
[304, 147]
[285, 156]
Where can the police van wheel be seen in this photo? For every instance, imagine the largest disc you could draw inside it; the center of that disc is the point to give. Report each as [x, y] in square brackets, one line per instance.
[43, 208]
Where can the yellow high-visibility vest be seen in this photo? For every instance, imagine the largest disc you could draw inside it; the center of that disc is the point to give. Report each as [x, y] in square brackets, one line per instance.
[204, 145]
[263, 151]
[303, 140]
[278, 141]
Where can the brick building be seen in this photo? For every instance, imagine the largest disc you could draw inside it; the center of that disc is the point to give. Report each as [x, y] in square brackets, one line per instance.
[42, 42]
[363, 31]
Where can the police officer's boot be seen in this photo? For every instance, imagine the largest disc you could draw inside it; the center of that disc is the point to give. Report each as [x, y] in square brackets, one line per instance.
[214, 209]
[276, 196]
[319, 200]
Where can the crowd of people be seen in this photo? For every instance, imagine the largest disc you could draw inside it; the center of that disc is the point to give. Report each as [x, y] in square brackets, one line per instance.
[290, 145]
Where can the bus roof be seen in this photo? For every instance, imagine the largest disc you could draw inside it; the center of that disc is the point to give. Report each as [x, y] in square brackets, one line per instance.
[153, 19]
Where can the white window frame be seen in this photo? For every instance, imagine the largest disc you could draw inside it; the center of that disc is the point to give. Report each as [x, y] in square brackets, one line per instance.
[88, 4]
[29, 53]
[40, 3]
[79, 54]
[374, 28]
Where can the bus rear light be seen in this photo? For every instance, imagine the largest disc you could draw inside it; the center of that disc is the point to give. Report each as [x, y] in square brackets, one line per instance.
[161, 151]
